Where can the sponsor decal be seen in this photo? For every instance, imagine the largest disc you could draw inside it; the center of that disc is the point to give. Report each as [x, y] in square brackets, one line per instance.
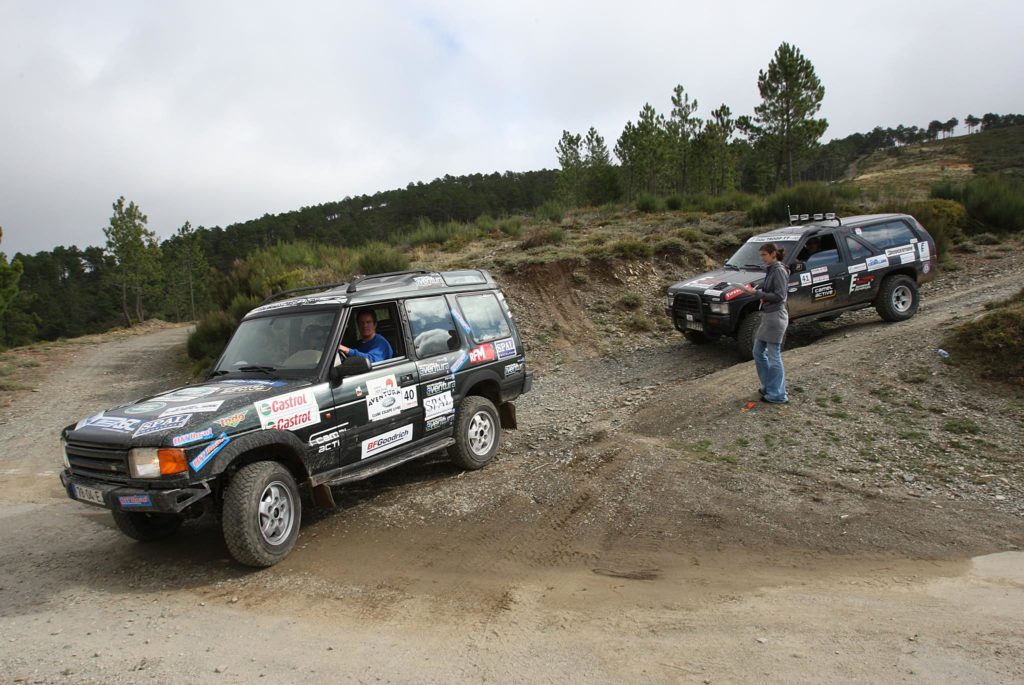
[299, 301]
[862, 283]
[326, 441]
[188, 394]
[254, 387]
[906, 253]
[385, 441]
[924, 252]
[161, 424]
[857, 268]
[209, 452]
[409, 399]
[877, 262]
[505, 348]
[273, 384]
[290, 411]
[805, 279]
[233, 420]
[513, 368]
[819, 279]
[823, 292]
[383, 398]
[482, 353]
[194, 436]
[793, 288]
[438, 405]
[462, 322]
[437, 387]
[460, 362]
[199, 408]
[144, 408]
[439, 422]
[926, 267]
[702, 282]
[775, 238]
[428, 281]
[131, 501]
[110, 423]
[819, 270]
[711, 292]
[433, 368]
[858, 230]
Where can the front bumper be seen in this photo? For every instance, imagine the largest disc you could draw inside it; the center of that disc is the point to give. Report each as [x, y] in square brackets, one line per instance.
[112, 496]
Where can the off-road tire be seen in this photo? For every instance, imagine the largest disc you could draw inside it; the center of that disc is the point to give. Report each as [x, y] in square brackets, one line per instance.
[477, 433]
[745, 335]
[699, 338]
[146, 527]
[261, 514]
[898, 298]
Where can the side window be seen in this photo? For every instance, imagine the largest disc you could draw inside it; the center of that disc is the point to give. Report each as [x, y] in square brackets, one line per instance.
[485, 317]
[858, 252]
[819, 250]
[889, 234]
[432, 326]
[388, 326]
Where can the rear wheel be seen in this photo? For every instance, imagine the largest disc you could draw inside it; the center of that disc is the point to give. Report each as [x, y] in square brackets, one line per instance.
[262, 512]
[477, 433]
[745, 335]
[146, 527]
[897, 299]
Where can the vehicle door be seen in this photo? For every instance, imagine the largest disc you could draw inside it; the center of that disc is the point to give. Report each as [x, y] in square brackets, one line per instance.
[861, 257]
[379, 408]
[818, 276]
[436, 346]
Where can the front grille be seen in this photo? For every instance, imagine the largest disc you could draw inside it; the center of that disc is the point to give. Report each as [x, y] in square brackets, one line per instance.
[98, 463]
[687, 303]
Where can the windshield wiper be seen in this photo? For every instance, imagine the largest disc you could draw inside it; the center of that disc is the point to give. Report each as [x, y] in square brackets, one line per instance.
[731, 266]
[755, 267]
[219, 372]
[269, 370]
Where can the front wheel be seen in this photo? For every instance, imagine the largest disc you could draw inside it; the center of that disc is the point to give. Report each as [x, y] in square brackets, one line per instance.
[897, 299]
[745, 335]
[146, 527]
[262, 512]
[477, 433]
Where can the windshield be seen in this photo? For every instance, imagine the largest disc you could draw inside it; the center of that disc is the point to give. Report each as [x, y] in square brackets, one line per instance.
[286, 342]
[747, 256]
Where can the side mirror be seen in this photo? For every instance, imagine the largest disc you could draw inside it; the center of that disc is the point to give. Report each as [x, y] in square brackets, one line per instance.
[798, 267]
[350, 366]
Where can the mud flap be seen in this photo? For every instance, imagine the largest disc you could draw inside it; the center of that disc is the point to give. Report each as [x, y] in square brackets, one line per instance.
[323, 498]
[507, 414]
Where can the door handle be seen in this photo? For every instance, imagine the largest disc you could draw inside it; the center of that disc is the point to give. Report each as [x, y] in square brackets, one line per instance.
[407, 378]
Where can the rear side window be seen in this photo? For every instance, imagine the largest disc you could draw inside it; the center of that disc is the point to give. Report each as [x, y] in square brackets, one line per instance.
[889, 234]
[484, 316]
[433, 330]
[857, 251]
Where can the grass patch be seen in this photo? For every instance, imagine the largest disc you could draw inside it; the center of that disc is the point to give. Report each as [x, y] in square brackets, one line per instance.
[631, 248]
[962, 426]
[630, 301]
[992, 346]
[915, 374]
[544, 235]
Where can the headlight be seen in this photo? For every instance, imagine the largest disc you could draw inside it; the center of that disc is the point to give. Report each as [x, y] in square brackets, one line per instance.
[149, 462]
[720, 307]
[669, 300]
[64, 452]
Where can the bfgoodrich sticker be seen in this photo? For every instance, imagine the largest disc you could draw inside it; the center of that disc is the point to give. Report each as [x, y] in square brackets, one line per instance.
[385, 441]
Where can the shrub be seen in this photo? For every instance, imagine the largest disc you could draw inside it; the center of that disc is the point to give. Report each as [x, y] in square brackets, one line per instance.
[550, 211]
[690, 234]
[987, 239]
[993, 202]
[674, 202]
[993, 345]
[630, 301]
[211, 334]
[379, 258]
[804, 198]
[550, 235]
[631, 248]
[647, 203]
[639, 322]
[511, 226]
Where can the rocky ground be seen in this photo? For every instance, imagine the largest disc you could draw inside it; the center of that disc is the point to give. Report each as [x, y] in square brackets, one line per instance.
[650, 522]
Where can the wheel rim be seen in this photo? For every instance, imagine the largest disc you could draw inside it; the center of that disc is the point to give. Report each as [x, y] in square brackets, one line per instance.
[902, 299]
[481, 433]
[277, 513]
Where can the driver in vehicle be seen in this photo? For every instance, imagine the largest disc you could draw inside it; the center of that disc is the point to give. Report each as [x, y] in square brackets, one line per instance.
[374, 347]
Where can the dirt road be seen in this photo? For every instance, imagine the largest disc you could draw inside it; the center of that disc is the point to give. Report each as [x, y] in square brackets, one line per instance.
[642, 527]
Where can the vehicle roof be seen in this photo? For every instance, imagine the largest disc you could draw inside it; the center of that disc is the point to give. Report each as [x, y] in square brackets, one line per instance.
[373, 288]
[816, 226]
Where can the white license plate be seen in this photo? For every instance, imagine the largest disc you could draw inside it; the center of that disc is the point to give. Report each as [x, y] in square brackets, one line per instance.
[87, 494]
[695, 325]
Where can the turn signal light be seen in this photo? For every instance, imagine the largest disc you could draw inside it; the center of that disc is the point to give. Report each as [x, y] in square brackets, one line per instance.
[172, 460]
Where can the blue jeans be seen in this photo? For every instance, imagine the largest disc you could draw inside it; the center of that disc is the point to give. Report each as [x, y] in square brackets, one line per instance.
[768, 361]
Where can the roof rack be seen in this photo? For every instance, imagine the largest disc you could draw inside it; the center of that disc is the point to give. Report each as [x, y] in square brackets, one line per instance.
[358, 280]
[308, 288]
[827, 216]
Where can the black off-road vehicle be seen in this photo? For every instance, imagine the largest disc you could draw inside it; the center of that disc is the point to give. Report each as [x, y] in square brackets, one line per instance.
[283, 411]
[836, 265]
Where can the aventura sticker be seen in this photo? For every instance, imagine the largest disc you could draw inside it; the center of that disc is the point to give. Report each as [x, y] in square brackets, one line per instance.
[386, 441]
[877, 262]
[194, 436]
[199, 408]
[513, 368]
[209, 452]
[823, 292]
[433, 368]
[857, 268]
[482, 353]
[383, 398]
[134, 501]
[438, 405]
[906, 253]
[437, 387]
[805, 279]
[428, 281]
[144, 408]
[109, 423]
[505, 348]
[188, 394]
[161, 424]
[861, 283]
[439, 422]
[289, 411]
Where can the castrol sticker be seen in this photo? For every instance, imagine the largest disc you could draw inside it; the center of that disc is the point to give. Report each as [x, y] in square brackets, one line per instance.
[290, 411]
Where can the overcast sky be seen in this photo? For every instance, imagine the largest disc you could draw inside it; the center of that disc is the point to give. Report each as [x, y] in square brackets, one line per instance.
[218, 112]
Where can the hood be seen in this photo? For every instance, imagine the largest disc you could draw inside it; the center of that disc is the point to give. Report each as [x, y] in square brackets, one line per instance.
[718, 281]
[184, 415]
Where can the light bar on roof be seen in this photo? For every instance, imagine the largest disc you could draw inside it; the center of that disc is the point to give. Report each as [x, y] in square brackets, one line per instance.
[794, 218]
[830, 215]
[819, 217]
[805, 217]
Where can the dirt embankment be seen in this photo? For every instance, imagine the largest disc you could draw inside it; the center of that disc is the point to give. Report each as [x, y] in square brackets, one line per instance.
[644, 525]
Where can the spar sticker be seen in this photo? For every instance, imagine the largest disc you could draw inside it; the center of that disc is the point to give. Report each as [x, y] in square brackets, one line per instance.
[162, 424]
[505, 348]
[289, 411]
[438, 405]
[209, 452]
[385, 441]
[383, 398]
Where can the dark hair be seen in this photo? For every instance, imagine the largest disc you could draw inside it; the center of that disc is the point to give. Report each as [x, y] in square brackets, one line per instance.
[773, 249]
[367, 310]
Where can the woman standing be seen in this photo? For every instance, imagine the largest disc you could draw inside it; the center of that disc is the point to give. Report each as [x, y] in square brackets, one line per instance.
[774, 320]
